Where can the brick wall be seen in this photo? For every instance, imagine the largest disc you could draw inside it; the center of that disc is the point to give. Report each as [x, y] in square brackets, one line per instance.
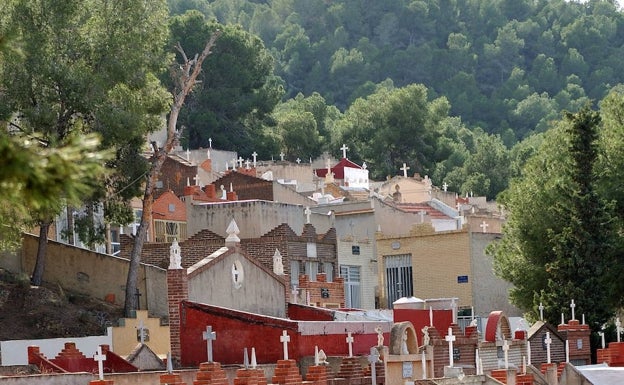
[246, 186]
[578, 337]
[174, 176]
[177, 291]
[323, 293]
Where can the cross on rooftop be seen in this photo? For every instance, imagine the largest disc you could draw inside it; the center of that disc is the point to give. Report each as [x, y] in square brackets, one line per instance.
[210, 142]
[344, 149]
[285, 339]
[444, 186]
[548, 341]
[254, 362]
[541, 310]
[484, 225]
[100, 358]
[282, 155]
[450, 338]
[572, 306]
[234, 164]
[602, 339]
[404, 169]
[350, 342]
[254, 155]
[506, 352]
[240, 162]
[196, 179]
[430, 316]
[209, 336]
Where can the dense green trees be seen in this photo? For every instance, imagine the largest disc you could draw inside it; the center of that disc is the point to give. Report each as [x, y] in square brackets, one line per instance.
[562, 235]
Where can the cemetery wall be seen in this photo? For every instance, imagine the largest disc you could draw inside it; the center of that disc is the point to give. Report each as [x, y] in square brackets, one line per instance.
[97, 275]
[11, 261]
[302, 173]
[489, 291]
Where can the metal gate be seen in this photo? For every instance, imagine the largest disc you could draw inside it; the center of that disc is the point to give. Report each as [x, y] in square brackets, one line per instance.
[399, 281]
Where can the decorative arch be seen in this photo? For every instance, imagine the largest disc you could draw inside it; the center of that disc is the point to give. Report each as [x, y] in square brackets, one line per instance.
[497, 327]
[402, 337]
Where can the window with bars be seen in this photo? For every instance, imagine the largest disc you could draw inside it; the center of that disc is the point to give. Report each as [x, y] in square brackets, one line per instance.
[399, 280]
[167, 231]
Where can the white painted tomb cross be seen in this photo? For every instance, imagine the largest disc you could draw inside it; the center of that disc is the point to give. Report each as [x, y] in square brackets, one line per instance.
[210, 142]
[298, 160]
[430, 316]
[209, 336]
[100, 358]
[373, 358]
[240, 162]
[350, 342]
[246, 164]
[602, 339]
[254, 155]
[567, 351]
[444, 186]
[404, 169]
[548, 341]
[506, 353]
[450, 338]
[344, 149]
[541, 310]
[316, 356]
[572, 306]
[484, 225]
[307, 213]
[618, 328]
[528, 348]
[285, 339]
[282, 156]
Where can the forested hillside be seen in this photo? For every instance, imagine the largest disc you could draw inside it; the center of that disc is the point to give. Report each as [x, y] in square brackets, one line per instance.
[502, 67]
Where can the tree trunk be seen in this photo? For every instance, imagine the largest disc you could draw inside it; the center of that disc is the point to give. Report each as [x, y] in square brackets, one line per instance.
[37, 275]
[184, 81]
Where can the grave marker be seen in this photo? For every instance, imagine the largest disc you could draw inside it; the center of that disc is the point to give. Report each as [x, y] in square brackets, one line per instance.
[373, 358]
[285, 339]
[572, 306]
[344, 149]
[404, 169]
[100, 358]
[254, 155]
[450, 338]
[548, 341]
[209, 336]
[541, 310]
[506, 353]
[350, 343]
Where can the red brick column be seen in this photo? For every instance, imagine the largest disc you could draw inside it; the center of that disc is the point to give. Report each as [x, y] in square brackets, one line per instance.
[102, 382]
[171, 379]
[210, 373]
[317, 375]
[177, 291]
[287, 373]
[250, 377]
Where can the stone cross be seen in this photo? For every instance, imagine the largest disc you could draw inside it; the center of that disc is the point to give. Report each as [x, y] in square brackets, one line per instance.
[583, 319]
[562, 319]
[210, 142]
[484, 226]
[298, 161]
[240, 162]
[618, 328]
[285, 339]
[364, 166]
[307, 213]
[444, 186]
[196, 179]
[234, 164]
[450, 338]
[541, 310]
[430, 316]
[254, 155]
[282, 156]
[548, 341]
[209, 336]
[100, 358]
[373, 358]
[404, 169]
[247, 164]
[572, 306]
[344, 149]
[506, 352]
[350, 342]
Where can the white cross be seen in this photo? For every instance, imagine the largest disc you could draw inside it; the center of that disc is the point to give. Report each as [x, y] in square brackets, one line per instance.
[254, 362]
[350, 342]
[282, 156]
[100, 358]
[548, 341]
[404, 169]
[506, 352]
[227, 165]
[298, 161]
[567, 351]
[285, 339]
[188, 155]
[247, 164]
[602, 339]
[373, 358]
[344, 149]
[209, 336]
[528, 347]
[450, 338]
[210, 142]
[207, 154]
[618, 328]
[234, 164]
[444, 186]
[477, 368]
[240, 162]
[484, 226]
[307, 213]
[562, 319]
[196, 179]
[422, 214]
[541, 310]
[572, 306]
[254, 154]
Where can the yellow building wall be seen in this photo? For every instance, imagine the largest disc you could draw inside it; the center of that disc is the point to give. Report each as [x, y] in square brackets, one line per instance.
[126, 337]
[438, 259]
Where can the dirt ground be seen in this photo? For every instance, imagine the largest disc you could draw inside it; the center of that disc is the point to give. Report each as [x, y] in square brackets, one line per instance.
[28, 312]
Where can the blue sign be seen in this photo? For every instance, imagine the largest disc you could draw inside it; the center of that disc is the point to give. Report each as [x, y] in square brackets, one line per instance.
[462, 279]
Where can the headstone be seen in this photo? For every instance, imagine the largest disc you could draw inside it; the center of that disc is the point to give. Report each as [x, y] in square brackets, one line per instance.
[285, 339]
[209, 336]
[246, 164]
[282, 156]
[373, 358]
[350, 343]
[210, 142]
[278, 266]
[240, 162]
[444, 186]
[298, 161]
[506, 353]
[307, 213]
[316, 356]
[450, 338]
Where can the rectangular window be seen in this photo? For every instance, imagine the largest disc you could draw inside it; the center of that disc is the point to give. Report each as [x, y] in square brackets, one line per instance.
[351, 275]
[167, 231]
[328, 269]
[355, 250]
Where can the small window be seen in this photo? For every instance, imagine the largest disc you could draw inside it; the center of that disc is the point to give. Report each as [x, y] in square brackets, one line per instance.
[355, 250]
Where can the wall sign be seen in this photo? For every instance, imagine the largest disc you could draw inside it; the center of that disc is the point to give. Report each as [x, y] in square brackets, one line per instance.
[462, 279]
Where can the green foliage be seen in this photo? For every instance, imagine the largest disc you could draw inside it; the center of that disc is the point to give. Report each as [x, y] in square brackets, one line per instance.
[552, 250]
